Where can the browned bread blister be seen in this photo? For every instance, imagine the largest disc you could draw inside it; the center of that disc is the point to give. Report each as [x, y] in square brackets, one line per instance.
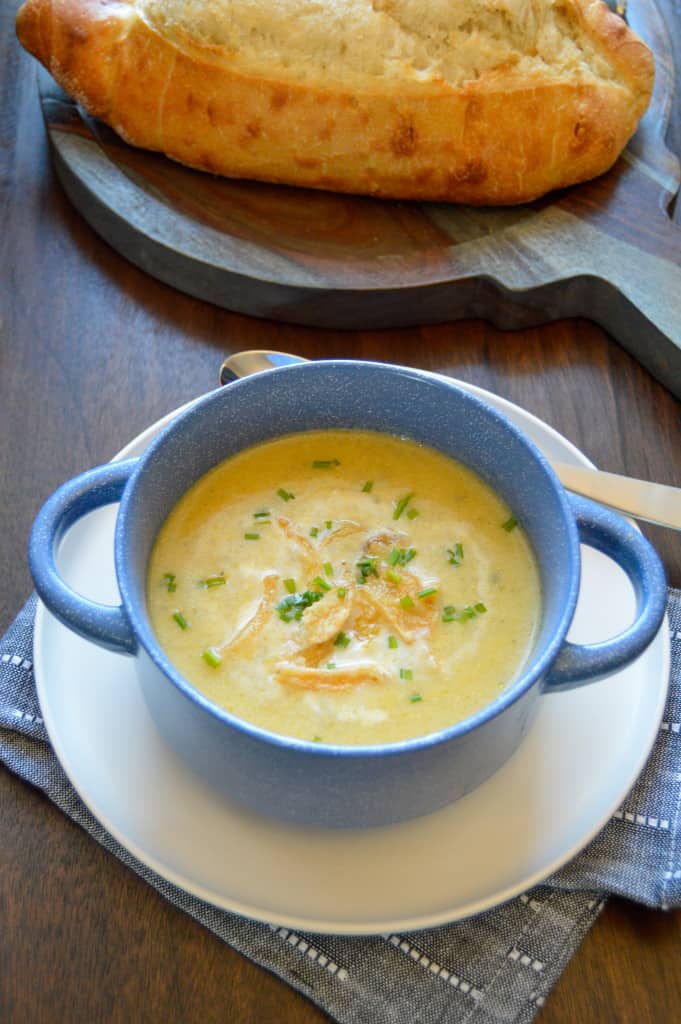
[471, 101]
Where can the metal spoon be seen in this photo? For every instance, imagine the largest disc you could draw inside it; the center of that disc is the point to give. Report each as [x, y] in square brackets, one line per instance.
[652, 503]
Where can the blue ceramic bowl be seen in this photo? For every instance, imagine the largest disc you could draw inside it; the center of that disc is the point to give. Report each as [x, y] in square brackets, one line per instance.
[309, 782]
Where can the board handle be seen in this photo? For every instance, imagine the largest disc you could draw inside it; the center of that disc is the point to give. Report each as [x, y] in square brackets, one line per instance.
[641, 303]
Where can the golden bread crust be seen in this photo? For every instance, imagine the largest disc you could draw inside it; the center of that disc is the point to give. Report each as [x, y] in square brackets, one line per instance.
[504, 137]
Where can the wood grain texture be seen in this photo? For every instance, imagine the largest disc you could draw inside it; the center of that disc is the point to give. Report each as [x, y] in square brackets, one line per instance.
[606, 249]
[91, 351]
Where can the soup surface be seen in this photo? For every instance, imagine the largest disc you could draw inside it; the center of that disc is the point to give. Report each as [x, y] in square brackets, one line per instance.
[344, 587]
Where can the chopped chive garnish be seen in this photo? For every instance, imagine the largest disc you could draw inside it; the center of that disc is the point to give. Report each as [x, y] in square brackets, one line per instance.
[401, 505]
[251, 536]
[265, 514]
[180, 620]
[406, 602]
[368, 487]
[290, 585]
[342, 640]
[415, 698]
[314, 532]
[328, 524]
[452, 614]
[325, 463]
[341, 593]
[322, 584]
[428, 592]
[392, 643]
[400, 556]
[455, 554]
[331, 665]
[293, 605]
[316, 739]
[412, 513]
[406, 673]
[367, 568]
[285, 495]
[392, 576]
[213, 581]
[211, 657]
[169, 580]
[510, 524]
[328, 568]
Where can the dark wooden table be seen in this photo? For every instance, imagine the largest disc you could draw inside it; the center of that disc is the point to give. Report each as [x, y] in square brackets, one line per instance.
[91, 352]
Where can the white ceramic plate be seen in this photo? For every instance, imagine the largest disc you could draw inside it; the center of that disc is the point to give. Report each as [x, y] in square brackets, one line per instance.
[570, 774]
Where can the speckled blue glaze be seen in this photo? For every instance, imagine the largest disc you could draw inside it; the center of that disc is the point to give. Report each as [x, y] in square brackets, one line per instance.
[315, 783]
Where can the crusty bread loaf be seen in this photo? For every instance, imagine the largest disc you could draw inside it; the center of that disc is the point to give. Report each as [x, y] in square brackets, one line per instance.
[473, 101]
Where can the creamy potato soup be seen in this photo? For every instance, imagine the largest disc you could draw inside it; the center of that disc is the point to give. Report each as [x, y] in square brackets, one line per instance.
[344, 587]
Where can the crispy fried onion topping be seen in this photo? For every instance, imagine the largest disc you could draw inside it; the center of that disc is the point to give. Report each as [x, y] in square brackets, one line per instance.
[316, 678]
[241, 642]
[380, 597]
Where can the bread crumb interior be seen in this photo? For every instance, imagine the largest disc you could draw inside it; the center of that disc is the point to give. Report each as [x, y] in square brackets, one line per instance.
[362, 42]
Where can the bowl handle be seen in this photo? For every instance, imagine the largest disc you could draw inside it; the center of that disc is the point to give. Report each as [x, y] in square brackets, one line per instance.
[608, 532]
[107, 625]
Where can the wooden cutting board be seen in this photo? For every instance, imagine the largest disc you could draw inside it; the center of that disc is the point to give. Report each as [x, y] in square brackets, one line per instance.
[605, 250]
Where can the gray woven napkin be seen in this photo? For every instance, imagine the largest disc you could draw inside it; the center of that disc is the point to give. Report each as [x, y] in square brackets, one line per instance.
[496, 967]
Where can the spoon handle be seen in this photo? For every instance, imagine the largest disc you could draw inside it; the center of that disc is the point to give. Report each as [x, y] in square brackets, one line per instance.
[653, 503]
